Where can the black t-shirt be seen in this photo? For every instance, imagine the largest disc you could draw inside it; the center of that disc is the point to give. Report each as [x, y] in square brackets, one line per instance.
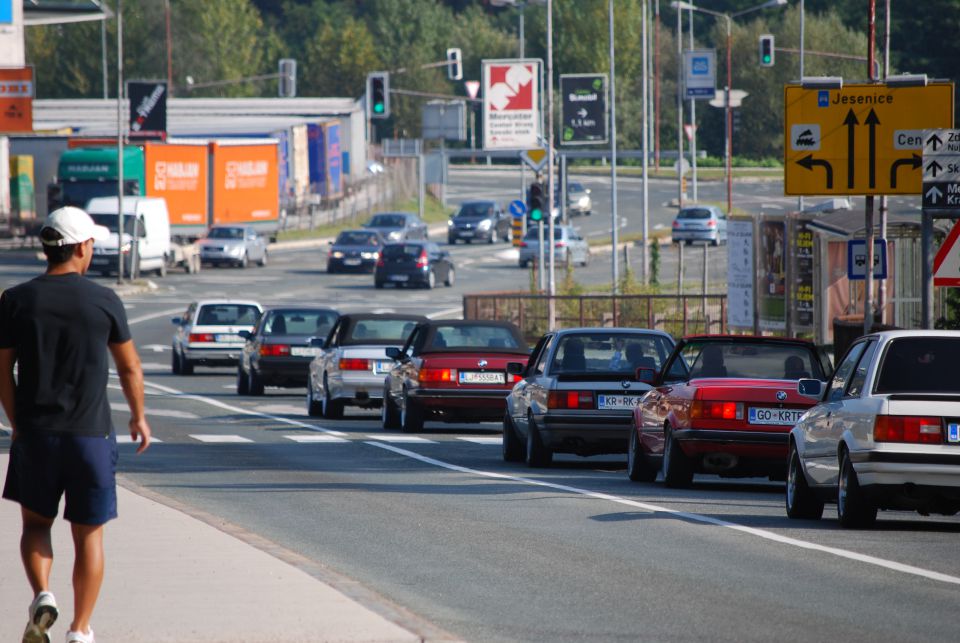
[60, 327]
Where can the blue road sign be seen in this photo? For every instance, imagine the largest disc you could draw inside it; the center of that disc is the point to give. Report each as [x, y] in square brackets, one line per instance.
[857, 259]
[518, 208]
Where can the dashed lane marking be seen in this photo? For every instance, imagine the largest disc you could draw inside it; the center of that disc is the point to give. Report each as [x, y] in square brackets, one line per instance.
[401, 439]
[310, 439]
[208, 438]
[486, 441]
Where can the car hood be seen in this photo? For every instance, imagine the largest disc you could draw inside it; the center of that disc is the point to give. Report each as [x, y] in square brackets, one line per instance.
[110, 243]
[221, 243]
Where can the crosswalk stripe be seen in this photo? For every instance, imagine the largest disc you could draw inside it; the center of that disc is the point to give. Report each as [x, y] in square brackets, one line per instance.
[497, 440]
[126, 439]
[219, 439]
[401, 439]
[315, 438]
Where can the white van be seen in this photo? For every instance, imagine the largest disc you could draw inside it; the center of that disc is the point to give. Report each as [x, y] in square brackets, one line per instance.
[145, 216]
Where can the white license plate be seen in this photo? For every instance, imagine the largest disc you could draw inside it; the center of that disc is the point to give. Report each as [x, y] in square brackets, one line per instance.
[351, 262]
[304, 351]
[474, 377]
[382, 366]
[784, 417]
[466, 233]
[608, 402]
[399, 277]
[229, 339]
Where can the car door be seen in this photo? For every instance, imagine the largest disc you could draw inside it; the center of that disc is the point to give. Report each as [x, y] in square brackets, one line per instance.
[721, 226]
[328, 361]
[438, 262]
[532, 380]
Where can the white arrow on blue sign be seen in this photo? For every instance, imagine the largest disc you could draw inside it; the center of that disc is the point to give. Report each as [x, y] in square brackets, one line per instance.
[517, 208]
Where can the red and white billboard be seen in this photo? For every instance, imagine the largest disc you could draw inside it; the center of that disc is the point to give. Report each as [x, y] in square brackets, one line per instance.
[511, 104]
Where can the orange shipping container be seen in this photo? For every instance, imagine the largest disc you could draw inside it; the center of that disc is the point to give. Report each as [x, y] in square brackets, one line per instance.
[245, 183]
[178, 173]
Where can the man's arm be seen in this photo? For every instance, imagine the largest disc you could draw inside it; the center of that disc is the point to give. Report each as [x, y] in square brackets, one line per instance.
[131, 380]
[8, 356]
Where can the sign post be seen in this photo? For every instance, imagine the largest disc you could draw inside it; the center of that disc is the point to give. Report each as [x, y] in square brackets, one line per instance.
[584, 109]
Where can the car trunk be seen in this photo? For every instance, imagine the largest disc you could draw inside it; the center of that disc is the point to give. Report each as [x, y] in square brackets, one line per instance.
[464, 369]
[764, 405]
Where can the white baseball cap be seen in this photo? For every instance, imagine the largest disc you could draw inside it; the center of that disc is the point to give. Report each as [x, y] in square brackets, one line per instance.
[74, 225]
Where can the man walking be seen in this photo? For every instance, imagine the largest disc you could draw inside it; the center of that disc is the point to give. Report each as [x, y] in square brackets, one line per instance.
[57, 330]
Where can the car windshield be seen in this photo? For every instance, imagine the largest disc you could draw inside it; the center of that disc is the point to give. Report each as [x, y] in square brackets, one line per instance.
[610, 353]
[356, 238]
[387, 221]
[400, 250]
[920, 365]
[574, 187]
[309, 323]
[394, 331]
[225, 233]
[109, 221]
[474, 336]
[476, 210]
[694, 213]
[749, 359]
[227, 315]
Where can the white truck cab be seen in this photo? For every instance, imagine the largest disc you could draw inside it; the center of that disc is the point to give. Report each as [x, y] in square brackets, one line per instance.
[145, 217]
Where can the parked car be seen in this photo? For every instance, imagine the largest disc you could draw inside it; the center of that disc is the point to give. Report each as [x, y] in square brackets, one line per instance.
[479, 221]
[722, 404]
[567, 243]
[414, 263]
[452, 371]
[578, 199]
[578, 392]
[398, 226]
[885, 434]
[278, 350]
[237, 245]
[700, 223]
[208, 333]
[355, 250]
[353, 364]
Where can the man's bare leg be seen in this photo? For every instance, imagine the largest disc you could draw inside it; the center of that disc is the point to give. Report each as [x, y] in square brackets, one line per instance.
[87, 573]
[36, 549]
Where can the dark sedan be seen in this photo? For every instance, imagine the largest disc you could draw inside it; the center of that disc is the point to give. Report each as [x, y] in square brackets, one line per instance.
[397, 226]
[278, 352]
[479, 221]
[355, 251]
[416, 263]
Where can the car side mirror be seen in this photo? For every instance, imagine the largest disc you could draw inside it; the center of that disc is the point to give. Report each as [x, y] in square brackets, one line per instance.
[330, 243]
[177, 321]
[645, 374]
[515, 368]
[810, 388]
[394, 353]
[246, 334]
[318, 342]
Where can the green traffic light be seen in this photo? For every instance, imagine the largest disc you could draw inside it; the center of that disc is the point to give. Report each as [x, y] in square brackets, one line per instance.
[766, 58]
[536, 214]
[378, 108]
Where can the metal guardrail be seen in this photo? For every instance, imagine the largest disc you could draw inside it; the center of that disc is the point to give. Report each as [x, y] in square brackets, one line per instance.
[676, 314]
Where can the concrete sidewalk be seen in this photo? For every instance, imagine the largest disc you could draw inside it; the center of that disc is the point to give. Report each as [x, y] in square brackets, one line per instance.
[177, 577]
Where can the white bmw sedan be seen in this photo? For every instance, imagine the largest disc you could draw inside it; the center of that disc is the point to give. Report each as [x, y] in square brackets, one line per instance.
[885, 434]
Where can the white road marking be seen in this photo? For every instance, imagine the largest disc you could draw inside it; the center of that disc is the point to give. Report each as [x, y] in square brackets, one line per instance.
[401, 439]
[126, 439]
[220, 439]
[156, 348]
[281, 408]
[170, 413]
[154, 366]
[709, 520]
[162, 313]
[498, 440]
[316, 438]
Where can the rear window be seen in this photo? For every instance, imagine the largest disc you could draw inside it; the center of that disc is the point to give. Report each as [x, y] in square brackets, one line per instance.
[760, 360]
[610, 353]
[476, 210]
[310, 323]
[380, 330]
[695, 213]
[474, 337]
[354, 238]
[920, 365]
[402, 250]
[228, 315]
[388, 221]
[533, 235]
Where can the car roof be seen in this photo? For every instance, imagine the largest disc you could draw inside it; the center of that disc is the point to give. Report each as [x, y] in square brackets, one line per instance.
[318, 309]
[215, 302]
[896, 334]
[351, 317]
[619, 330]
[748, 338]
[487, 201]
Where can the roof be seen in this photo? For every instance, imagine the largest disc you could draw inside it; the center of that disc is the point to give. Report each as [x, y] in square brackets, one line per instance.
[217, 302]
[352, 317]
[849, 223]
[48, 12]
[620, 330]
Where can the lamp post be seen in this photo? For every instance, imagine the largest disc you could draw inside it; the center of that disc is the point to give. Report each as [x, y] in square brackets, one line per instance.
[679, 5]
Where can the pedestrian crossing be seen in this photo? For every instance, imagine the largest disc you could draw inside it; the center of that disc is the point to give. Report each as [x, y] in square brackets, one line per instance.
[314, 438]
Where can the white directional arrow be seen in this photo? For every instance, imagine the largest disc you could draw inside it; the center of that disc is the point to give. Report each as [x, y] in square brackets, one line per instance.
[934, 194]
[582, 112]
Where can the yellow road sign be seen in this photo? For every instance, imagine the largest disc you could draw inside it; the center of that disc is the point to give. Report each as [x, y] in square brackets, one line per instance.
[861, 139]
[535, 158]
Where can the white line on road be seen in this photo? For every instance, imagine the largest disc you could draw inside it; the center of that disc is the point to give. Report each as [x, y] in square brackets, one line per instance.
[760, 533]
[401, 439]
[162, 313]
[497, 440]
[317, 438]
[123, 438]
[210, 438]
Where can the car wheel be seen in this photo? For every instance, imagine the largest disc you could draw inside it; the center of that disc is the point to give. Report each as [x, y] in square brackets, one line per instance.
[186, 366]
[537, 454]
[243, 384]
[411, 416]
[468, 241]
[263, 262]
[389, 413]
[513, 448]
[314, 409]
[431, 280]
[638, 467]
[677, 472]
[175, 365]
[243, 263]
[332, 409]
[715, 242]
[801, 502]
[853, 508]
[254, 382]
[451, 278]
[493, 236]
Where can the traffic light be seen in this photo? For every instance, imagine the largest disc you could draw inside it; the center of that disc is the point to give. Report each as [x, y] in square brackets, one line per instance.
[378, 94]
[766, 50]
[535, 202]
[287, 86]
[454, 64]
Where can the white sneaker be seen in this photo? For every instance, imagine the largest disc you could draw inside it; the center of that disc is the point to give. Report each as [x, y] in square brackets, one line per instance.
[80, 637]
[43, 614]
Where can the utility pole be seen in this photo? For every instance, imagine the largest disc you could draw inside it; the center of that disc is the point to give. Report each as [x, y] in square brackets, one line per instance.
[680, 108]
[645, 144]
[868, 214]
[120, 142]
[615, 274]
[552, 307]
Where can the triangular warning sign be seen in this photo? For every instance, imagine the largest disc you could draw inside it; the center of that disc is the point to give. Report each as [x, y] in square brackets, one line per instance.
[946, 265]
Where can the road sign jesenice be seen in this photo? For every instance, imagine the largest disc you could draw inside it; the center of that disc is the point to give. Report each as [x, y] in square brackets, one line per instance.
[861, 139]
[941, 169]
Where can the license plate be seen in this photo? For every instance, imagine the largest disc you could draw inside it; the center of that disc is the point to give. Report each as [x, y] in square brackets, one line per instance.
[382, 366]
[351, 262]
[466, 233]
[783, 417]
[609, 402]
[474, 377]
[304, 351]
[953, 433]
[229, 339]
[399, 277]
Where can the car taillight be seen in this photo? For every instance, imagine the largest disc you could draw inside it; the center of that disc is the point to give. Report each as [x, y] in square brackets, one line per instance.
[908, 428]
[274, 350]
[701, 410]
[711, 223]
[354, 364]
[560, 244]
[380, 262]
[570, 400]
[523, 244]
[513, 379]
[422, 260]
[437, 375]
[202, 337]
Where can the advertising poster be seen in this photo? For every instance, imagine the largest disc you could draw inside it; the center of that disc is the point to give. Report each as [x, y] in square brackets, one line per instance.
[803, 293]
[584, 109]
[148, 108]
[511, 104]
[740, 274]
[772, 295]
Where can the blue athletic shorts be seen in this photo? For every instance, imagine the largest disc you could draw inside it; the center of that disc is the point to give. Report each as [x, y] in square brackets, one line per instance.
[44, 467]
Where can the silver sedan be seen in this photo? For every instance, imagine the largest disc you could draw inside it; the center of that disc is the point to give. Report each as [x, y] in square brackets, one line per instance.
[237, 245]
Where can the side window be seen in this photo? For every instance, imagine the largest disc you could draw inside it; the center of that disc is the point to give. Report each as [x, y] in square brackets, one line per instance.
[541, 357]
[678, 371]
[188, 316]
[844, 372]
[334, 333]
[859, 378]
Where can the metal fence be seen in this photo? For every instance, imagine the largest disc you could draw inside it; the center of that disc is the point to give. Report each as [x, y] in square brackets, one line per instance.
[676, 314]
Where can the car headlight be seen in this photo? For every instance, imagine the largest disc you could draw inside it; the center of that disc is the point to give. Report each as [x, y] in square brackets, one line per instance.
[236, 250]
[337, 255]
[125, 248]
[449, 223]
[396, 234]
[369, 255]
[584, 202]
[484, 225]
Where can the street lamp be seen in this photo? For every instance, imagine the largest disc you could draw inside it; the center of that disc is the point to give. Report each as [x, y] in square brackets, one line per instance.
[521, 5]
[679, 5]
